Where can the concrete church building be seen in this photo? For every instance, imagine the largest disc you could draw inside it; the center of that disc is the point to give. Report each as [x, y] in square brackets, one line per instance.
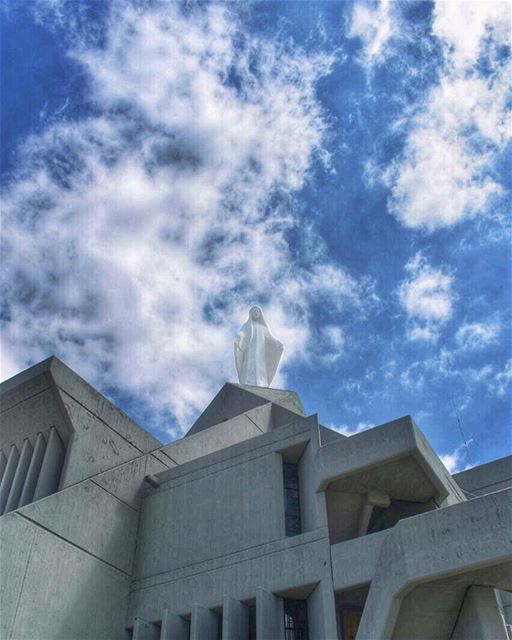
[258, 524]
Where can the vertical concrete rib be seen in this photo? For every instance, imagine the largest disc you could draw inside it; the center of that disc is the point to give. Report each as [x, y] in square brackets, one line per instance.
[235, 620]
[19, 477]
[143, 630]
[51, 466]
[3, 464]
[204, 624]
[269, 616]
[8, 477]
[174, 627]
[27, 493]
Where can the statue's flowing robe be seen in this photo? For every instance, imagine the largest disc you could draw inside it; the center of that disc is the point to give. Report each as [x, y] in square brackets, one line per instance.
[257, 353]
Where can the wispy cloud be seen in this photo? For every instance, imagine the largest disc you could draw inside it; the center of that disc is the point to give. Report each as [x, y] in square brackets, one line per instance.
[347, 430]
[375, 24]
[477, 335]
[135, 239]
[457, 459]
[446, 171]
[427, 298]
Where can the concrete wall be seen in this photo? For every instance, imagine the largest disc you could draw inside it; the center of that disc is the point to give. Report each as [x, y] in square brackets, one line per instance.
[479, 617]
[486, 478]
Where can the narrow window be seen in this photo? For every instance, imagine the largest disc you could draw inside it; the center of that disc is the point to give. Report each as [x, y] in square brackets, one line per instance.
[295, 620]
[252, 621]
[291, 499]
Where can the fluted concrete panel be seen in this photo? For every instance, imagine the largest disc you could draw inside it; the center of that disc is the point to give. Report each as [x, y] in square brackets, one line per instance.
[235, 620]
[174, 627]
[8, 477]
[205, 623]
[269, 616]
[27, 493]
[51, 467]
[19, 476]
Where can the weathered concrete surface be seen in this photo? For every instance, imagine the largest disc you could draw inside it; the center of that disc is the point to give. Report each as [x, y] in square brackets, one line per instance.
[235, 620]
[236, 399]
[92, 519]
[322, 612]
[354, 561]
[269, 616]
[394, 458]
[174, 627]
[52, 589]
[423, 548]
[480, 617]
[486, 478]
[204, 624]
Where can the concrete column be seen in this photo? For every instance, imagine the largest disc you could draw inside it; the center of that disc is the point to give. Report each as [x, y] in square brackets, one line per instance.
[269, 616]
[174, 627]
[20, 476]
[373, 499]
[480, 617]
[8, 477]
[322, 612]
[34, 469]
[235, 623]
[48, 481]
[143, 630]
[204, 624]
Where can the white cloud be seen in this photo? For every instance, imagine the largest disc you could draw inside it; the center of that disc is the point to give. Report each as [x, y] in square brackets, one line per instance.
[375, 25]
[427, 298]
[135, 240]
[457, 459]
[501, 380]
[476, 335]
[332, 344]
[444, 174]
[347, 430]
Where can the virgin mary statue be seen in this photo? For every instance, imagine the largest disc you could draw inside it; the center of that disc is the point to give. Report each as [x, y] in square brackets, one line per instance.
[257, 352]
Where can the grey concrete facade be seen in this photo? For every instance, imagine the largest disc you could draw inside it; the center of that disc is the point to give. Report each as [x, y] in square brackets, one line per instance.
[258, 524]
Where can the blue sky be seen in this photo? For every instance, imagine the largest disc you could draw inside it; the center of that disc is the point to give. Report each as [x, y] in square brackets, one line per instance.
[344, 165]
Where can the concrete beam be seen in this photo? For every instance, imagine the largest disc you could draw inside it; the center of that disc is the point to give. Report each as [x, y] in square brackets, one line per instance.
[51, 467]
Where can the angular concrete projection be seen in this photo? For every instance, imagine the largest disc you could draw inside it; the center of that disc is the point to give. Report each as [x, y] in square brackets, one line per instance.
[8, 477]
[204, 623]
[235, 620]
[322, 612]
[269, 616]
[19, 477]
[51, 467]
[143, 630]
[480, 617]
[175, 627]
[91, 549]
[462, 538]
[34, 469]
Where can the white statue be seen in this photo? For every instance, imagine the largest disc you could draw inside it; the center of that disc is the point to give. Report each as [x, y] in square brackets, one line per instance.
[257, 352]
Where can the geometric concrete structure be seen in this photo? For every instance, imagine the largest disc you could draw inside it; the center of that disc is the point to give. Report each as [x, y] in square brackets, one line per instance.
[259, 524]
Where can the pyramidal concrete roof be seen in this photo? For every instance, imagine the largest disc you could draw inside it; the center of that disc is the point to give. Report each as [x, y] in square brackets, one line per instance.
[235, 399]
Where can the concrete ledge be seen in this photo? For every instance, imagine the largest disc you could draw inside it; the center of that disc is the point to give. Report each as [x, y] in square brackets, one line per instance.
[464, 537]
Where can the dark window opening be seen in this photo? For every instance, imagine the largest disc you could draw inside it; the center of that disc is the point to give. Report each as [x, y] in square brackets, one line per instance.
[252, 621]
[350, 620]
[219, 625]
[386, 517]
[295, 620]
[293, 524]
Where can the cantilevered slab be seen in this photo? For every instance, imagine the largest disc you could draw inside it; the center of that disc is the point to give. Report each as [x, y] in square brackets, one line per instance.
[393, 458]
